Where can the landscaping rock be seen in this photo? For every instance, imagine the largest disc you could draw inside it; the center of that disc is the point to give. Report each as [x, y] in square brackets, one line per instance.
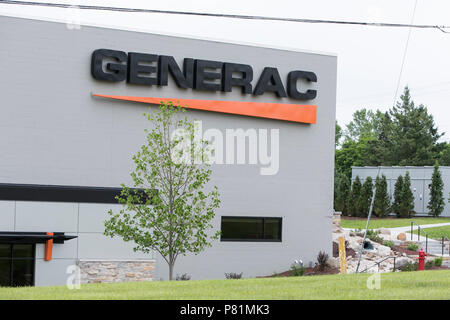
[384, 231]
[383, 251]
[385, 236]
[333, 262]
[401, 236]
[402, 261]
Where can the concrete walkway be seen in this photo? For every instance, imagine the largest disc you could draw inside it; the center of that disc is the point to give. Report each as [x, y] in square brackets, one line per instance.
[434, 247]
[396, 231]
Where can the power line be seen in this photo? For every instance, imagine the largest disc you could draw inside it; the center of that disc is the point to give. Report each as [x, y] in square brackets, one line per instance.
[230, 16]
[404, 53]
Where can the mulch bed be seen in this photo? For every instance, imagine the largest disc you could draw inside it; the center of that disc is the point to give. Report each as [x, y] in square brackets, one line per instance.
[308, 272]
[349, 252]
[405, 250]
[372, 218]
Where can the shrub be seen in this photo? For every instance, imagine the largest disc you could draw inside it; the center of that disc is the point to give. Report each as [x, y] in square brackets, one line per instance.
[297, 271]
[374, 236]
[429, 264]
[413, 246]
[437, 203]
[233, 275]
[438, 262]
[322, 258]
[183, 277]
[410, 267]
[406, 208]
[381, 202]
[398, 188]
[388, 243]
[365, 198]
[353, 205]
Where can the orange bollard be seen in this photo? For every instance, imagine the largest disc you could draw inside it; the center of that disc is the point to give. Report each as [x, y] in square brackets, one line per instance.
[48, 248]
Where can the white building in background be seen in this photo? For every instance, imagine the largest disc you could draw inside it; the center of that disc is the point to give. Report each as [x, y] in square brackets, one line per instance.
[420, 183]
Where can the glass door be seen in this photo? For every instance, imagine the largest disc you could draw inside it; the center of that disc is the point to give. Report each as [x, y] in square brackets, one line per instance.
[17, 265]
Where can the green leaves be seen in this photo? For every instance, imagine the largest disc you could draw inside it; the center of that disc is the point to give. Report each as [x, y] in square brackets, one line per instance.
[174, 214]
[403, 204]
[381, 203]
[436, 203]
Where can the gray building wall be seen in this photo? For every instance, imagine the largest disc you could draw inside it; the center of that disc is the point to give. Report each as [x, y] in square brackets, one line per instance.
[84, 220]
[52, 131]
[420, 180]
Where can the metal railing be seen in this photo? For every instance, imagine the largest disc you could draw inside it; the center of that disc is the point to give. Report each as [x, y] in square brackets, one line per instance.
[418, 234]
[378, 264]
[443, 244]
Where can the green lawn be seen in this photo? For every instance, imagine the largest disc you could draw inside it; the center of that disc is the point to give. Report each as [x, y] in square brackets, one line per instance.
[399, 285]
[436, 232]
[376, 223]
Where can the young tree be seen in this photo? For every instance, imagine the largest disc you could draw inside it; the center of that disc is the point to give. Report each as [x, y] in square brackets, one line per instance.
[366, 197]
[341, 193]
[436, 203]
[354, 197]
[406, 209]
[398, 189]
[173, 210]
[381, 202]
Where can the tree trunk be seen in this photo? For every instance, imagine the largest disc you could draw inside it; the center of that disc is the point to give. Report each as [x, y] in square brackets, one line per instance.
[171, 270]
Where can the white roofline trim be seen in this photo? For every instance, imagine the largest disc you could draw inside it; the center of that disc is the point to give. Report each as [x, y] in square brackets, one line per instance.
[178, 35]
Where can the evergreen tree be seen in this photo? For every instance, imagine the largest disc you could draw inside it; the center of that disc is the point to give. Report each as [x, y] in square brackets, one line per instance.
[341, 193]
[381, 201]
[436, 203]
[354, 197]
[414, 134]
[366, 197]
[406, 208]
[398, 189]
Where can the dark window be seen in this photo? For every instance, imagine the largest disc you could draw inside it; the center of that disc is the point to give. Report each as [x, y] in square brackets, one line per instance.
[251, 229]
[17, 265]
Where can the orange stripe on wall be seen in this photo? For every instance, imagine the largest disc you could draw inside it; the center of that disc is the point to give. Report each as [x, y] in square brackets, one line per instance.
[280, 111]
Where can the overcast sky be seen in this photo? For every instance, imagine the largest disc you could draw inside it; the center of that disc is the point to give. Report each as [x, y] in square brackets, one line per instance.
[369, 58]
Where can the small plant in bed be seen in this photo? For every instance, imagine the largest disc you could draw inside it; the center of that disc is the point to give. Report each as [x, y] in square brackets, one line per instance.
[233, 275]
[374, 235]
[322, 258]
[413, 246]
[388, 243]
[183, 277]
[297, 270]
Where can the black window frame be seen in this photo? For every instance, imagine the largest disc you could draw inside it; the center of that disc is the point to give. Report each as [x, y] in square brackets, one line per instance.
[11, 260]
[253, 240]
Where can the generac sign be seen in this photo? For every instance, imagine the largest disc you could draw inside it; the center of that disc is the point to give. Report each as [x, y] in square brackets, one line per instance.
[207, 75]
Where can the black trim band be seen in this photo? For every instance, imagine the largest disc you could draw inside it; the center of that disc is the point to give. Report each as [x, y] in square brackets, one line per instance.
[33, 237]
[56, 193]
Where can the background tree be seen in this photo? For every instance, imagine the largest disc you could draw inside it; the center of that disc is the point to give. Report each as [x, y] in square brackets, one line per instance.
[381, 202]
[398, 190]
[365, 123]
[436, 203]
[414, 134]
[405, 135]
[444, 156]
[366, 197]
[406, 208]
[337, 135]
[174, 220]
[353, 205]
[341, 193]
